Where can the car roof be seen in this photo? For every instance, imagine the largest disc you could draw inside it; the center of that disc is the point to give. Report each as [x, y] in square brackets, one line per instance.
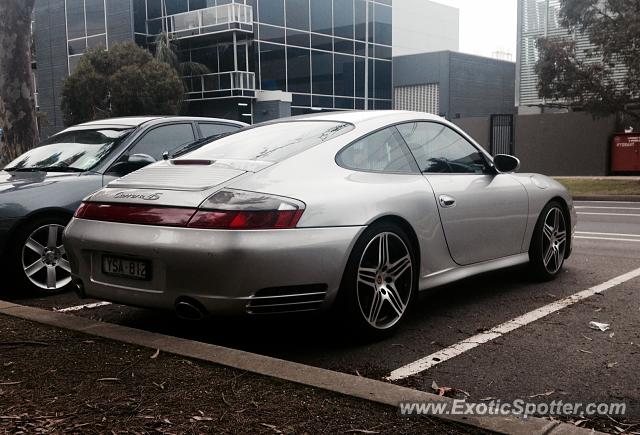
[358, 116]
[136, 121]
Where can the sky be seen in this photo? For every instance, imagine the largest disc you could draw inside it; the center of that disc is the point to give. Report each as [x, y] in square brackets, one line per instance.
[486, 26]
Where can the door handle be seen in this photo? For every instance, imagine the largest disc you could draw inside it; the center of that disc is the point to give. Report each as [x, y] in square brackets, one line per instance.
[446, 201]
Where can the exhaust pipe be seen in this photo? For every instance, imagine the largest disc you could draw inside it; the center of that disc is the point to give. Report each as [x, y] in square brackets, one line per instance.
[189, 310]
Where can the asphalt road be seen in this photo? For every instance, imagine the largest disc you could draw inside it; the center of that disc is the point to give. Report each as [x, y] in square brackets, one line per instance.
[557, 355]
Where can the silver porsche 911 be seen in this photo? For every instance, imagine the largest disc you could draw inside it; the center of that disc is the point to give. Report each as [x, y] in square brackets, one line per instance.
[357, 210]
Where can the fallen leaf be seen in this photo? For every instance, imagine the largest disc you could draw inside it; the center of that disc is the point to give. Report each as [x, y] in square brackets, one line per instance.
[108, 380]
[11, 383]
[272, 427]
[599, 326]
[579, 422]
[612, 365]
[155, 355]
[361, 431]
[200, 418]
[584, 351]
[548, 393]
[612, 334]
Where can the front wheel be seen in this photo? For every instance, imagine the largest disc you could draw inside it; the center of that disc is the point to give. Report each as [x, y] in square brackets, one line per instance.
[39, 260]
[549, 244]
[380, 281]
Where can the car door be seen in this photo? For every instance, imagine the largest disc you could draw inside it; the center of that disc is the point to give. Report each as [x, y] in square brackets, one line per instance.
[483, 213]
[154, 142]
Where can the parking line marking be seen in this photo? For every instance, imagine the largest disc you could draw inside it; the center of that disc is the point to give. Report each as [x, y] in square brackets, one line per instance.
[609, 214]
[504, 328]
[607, 234]
[617, 239]
[82, 307]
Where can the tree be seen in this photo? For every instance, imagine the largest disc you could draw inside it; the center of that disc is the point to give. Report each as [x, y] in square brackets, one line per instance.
[17, 102]
[123, 81]
[568, 78]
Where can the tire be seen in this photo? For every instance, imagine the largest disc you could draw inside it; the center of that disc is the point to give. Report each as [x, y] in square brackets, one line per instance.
[376, 292]
[549, 243]
[38, 262]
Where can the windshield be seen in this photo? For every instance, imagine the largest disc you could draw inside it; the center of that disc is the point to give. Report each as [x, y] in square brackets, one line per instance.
[272, 142]
[72, 151]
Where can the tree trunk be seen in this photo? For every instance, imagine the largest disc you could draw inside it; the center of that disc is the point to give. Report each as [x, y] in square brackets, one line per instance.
[17, 102]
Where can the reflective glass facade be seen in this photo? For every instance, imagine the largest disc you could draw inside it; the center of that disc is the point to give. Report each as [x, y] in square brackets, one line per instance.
[324, 52]
[328, 54]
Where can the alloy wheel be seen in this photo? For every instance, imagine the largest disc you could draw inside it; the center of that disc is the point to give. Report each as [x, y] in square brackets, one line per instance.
[44, 259]
[554, 240]
[385, 280]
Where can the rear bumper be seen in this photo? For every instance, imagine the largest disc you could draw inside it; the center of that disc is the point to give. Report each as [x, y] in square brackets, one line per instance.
[222, 270]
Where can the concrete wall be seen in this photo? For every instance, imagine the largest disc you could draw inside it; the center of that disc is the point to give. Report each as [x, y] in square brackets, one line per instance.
[421, 26]
[469, 85]
[481, 86]
[566, 144]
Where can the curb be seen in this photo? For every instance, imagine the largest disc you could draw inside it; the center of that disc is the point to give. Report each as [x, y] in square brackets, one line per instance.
[622, 198]
[343, 383]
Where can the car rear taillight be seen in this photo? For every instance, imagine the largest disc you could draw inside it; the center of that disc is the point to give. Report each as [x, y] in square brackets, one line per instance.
[241, 210]
[228, 210]
[135, 214]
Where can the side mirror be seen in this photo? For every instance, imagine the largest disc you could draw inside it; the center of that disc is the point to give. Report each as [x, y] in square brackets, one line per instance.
[505, 163]
[132, 163]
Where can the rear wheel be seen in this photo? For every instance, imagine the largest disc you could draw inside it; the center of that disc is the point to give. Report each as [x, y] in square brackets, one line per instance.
[39, 260]
[380, 281]
[549, 245]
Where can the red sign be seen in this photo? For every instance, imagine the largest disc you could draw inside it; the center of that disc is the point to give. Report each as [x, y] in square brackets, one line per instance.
[625, 153]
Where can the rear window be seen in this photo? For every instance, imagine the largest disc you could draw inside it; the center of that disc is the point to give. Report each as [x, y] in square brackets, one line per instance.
[272, 142]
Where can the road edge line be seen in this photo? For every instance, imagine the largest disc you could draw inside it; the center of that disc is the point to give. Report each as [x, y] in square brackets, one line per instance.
[343, 383]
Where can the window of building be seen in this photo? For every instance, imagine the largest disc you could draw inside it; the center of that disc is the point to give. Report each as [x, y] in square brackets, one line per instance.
[95, 10]
[383, 151]
[439, 149]
[85, 20]
[271, 12]
[383, 27]
[322, 73]
[383, 83]
[298, 70]
[343, 18]
[272, 67]
[344, 75]
[321, 17]
[75, 19]
[298, 14]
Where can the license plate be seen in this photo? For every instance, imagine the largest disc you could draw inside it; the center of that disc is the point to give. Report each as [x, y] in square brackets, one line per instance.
[126, 267]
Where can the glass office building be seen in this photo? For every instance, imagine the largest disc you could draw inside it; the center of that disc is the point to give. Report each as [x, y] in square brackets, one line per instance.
[327, 54]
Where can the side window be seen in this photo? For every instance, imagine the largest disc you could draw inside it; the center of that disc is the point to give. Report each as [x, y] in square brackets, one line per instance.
[165, 138]
[208, 129]
[438, 148]
[382, 151]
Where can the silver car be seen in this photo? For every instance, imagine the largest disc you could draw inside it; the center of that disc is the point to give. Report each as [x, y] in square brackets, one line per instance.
[357, 210]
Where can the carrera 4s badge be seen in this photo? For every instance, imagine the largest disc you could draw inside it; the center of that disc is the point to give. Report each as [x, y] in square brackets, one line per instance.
[144, 197]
